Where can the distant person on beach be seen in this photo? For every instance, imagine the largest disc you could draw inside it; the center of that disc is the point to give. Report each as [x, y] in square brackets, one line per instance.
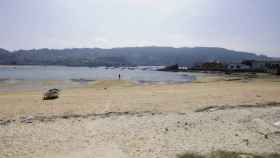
[119, 76]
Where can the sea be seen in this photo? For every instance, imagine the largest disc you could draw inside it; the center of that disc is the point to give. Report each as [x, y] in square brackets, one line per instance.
[140, 74]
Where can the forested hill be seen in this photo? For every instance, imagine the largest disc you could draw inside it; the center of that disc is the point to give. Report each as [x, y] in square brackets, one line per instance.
[129, 56]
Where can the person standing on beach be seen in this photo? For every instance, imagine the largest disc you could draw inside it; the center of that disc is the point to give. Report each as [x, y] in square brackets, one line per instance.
[119, 76]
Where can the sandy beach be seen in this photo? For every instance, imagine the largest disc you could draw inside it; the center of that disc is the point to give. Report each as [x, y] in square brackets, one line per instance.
[139, 79]
[126, 120]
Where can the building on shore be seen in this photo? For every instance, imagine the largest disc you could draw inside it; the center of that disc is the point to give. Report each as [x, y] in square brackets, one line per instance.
[269, 66]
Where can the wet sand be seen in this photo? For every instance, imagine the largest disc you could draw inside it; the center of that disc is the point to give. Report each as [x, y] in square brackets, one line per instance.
[120, 96]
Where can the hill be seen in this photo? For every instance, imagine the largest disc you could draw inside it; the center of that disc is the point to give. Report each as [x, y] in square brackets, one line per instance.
[128, 56]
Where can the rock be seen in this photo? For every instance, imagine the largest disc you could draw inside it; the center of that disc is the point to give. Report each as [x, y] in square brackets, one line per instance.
[277, 124]
[51, 94]
[28, 119]
[170, 68]
[278, 71]
[246, 141]
[5, 122]
[266, 136]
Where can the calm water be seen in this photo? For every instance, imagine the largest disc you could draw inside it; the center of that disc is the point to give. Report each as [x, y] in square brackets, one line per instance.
[139, 74]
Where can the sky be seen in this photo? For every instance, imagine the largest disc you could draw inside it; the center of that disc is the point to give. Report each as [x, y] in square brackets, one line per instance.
[246, 25]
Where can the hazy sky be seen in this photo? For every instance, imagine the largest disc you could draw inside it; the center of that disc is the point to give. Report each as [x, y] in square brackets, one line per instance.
[248, 25]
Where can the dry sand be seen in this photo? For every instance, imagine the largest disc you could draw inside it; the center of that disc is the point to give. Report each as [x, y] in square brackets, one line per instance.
[122, 120]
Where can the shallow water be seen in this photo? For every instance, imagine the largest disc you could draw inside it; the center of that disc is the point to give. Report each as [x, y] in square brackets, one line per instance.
[138, 74]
